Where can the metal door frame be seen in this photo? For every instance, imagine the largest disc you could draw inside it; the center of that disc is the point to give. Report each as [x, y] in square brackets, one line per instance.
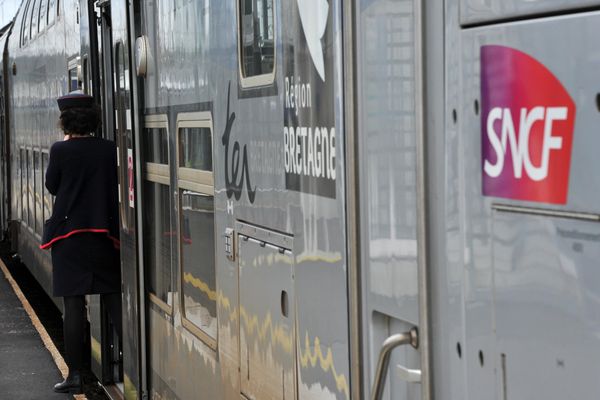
[100, 57]
[352, 200]
[349, 22]
[137, 93]
[108, 102]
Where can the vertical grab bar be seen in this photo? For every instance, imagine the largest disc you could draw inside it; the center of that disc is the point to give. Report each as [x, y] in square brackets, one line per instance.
[383, 362]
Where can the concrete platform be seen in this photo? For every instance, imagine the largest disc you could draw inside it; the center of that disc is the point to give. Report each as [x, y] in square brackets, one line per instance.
[27, 369]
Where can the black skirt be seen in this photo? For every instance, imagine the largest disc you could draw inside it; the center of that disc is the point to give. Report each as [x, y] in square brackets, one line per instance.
[85, 263]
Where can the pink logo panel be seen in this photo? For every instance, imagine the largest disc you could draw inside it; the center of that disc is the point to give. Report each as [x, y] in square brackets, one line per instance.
[527, 124]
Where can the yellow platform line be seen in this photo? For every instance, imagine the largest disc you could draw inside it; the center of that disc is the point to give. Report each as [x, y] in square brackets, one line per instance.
[37, 324]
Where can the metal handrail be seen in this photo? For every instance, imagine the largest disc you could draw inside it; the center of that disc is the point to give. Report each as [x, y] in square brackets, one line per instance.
[383, 363]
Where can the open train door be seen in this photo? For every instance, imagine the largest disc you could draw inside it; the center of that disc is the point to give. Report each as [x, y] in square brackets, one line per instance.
[5, 187]
[97, 76]
[111, 57]
[386, 198]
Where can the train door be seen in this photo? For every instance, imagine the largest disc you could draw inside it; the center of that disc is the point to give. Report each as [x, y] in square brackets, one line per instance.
[387, 108]
[122, 367]
[107, 352]
[124, 120]
[5, 191]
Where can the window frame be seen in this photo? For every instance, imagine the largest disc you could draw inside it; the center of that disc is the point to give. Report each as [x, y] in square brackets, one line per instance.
[257, 81]
[56, 14]
[195, 179]
[42, 28]
[201, 182]
[38, 193]
[85, 81]
[73, 64]
[25, 25]
[23, 181]
[157, 172]
[47, 198]
[34, 30]
[30, 190]
[160, 174]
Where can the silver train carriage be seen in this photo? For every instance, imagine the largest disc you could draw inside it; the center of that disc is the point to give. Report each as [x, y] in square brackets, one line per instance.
[329, 199]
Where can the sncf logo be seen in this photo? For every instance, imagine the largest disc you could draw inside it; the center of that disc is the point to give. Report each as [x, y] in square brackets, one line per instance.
[527, 128]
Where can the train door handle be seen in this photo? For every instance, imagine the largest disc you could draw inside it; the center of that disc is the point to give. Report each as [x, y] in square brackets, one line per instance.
[383, 363]
[408, 375]
[284, 303]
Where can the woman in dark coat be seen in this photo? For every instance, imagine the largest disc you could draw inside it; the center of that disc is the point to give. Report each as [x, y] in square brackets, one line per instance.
[83, 232]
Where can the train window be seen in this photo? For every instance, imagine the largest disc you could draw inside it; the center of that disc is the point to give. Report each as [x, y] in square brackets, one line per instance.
[23, 178]
[43, 12]
[198, 261]
[158, 233]
[47, 197]
[157, 244]
[86, 84]
[38, 192]
[195, 148]
[52, 11]
[35, 8]
[73, 79]
[156, 145]
[123, 134]
[197, 225]
[30, 190]
[26, 23]
[256, 39]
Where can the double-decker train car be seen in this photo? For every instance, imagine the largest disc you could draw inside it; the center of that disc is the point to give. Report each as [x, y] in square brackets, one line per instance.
[328, 199]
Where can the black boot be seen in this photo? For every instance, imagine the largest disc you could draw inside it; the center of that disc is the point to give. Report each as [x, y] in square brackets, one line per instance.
[73, 384]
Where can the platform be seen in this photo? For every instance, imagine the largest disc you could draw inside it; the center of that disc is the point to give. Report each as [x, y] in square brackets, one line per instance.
[28, 370]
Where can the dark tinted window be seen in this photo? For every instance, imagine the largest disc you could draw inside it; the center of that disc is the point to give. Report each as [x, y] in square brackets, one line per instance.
[257, 37]
[47, 197]
[38, 192]
[74, 83]
[157, 240]
[30, 190]
[23, 178]
[156, 146]
[195, 146]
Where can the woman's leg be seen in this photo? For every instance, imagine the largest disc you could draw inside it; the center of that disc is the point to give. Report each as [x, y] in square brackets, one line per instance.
[74, 331]
[112, 302]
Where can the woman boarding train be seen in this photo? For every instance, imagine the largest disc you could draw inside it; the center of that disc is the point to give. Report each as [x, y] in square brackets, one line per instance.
[83, 231]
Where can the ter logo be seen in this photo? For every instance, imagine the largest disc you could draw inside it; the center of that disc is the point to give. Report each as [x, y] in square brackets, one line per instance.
[527, 124]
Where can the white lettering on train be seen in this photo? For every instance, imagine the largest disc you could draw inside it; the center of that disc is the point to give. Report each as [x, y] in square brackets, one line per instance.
[297, 94]
[309, 152]
[519, 147]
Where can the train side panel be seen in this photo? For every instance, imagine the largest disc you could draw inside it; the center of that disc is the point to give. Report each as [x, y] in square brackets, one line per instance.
[39, 55]
[533, 235]
[193, 87]
[513, 298]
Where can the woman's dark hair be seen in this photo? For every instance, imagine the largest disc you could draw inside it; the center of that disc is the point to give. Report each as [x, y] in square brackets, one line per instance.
[80, 121]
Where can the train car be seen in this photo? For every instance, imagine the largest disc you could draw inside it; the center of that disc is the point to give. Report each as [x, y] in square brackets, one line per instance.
[46, 56]
[6, 186]
[42, 54]
[331, 199]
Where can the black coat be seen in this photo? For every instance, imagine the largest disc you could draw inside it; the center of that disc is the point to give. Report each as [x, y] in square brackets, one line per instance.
[82, 174]
[83, 230]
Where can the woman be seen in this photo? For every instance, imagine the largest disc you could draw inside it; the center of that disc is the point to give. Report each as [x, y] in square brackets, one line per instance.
[83, 230]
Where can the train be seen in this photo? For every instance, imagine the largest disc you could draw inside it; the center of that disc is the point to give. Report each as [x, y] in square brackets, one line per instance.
[327, 199]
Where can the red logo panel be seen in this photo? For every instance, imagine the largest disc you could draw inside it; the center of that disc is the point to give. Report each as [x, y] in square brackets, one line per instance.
[527, 124]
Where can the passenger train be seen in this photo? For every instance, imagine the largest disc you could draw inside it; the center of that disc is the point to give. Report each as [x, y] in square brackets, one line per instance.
[328, 199]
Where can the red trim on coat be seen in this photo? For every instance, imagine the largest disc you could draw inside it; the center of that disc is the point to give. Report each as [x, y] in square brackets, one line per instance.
[116, 241]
